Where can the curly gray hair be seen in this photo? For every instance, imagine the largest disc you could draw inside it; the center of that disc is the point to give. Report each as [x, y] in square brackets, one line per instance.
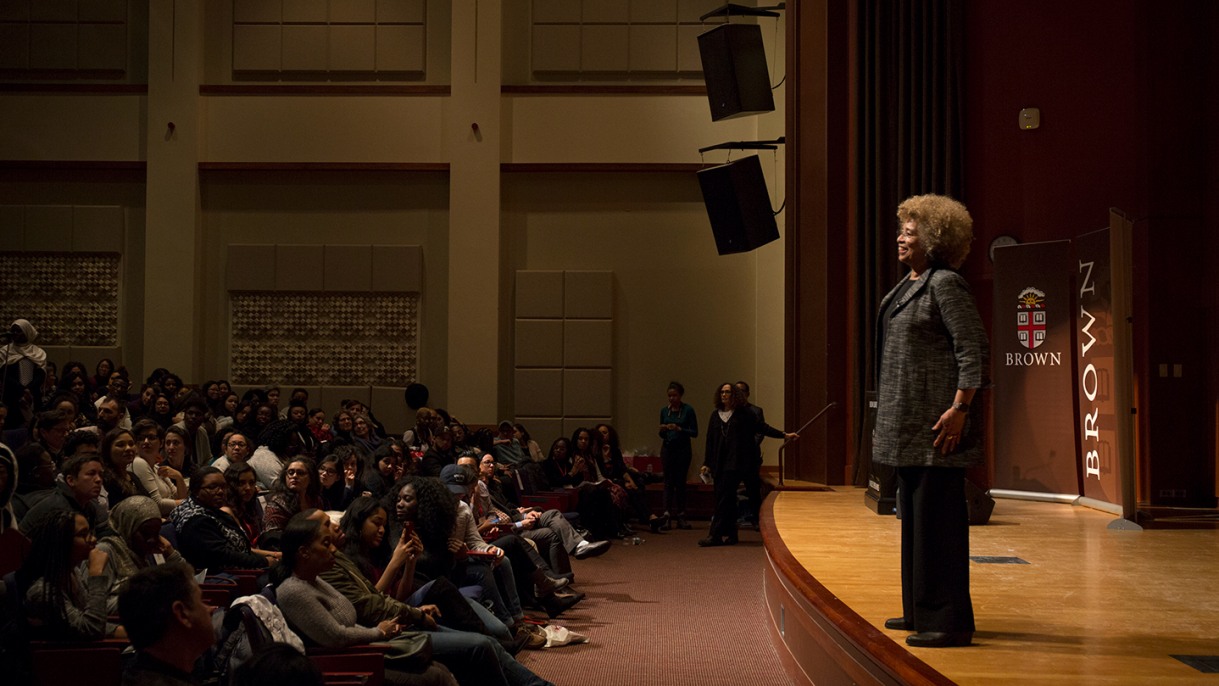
[945, 227]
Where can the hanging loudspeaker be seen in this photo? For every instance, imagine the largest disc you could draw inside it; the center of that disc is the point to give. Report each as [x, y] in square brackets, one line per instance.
[734, 67]
[738, 205]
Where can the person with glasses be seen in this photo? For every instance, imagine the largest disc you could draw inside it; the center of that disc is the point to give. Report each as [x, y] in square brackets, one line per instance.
[208, 537]
[162, 483]
[236, 449]
[49, 430]
[731, 449]
[299, 487]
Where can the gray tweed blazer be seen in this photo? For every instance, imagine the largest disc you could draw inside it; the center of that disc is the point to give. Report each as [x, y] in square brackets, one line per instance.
[935, 345]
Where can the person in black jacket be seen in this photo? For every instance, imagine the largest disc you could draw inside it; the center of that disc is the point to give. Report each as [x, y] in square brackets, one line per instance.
[731, 449]
[207, 536]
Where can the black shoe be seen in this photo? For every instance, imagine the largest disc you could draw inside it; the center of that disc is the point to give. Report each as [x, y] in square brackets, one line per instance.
[730, 540]
[556, 605]
[899, 624]
[939, 639]
[682, 523]
[587, 549]
[710, 542]
[656, 522]
[570, 576]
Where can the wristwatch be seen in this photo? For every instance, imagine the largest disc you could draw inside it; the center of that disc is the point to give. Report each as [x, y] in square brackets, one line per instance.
[961, 407]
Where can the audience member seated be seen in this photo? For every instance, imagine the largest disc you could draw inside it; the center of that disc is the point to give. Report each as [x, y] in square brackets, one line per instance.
[508, 450]
[426, 507]
[384, 468]
[115, 388]
[532, 524]
[323, 617]
[614, 468]
[340, 474]
[65, 600]
[419, 438]
[77, 493]
[244, 504]
[109, 412]
[473, 657]
[137, 543]
[297, 489]
[155, 479]
[50, 430]
[599, 497]
[235, 450]
[319, 428]
[208, 537]
[168, 623]
[439, 455]
[530, 446]
[118, 453]
[162, 410]
[199, 442]
[13, 546]
[36, 478]
[277, 443]
[362, 433]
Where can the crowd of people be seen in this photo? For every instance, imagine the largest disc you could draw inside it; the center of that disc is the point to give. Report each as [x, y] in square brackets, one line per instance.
[364, 535]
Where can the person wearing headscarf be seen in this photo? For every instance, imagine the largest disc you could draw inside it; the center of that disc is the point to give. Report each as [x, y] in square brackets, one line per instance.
[24, 374]
[137, 543]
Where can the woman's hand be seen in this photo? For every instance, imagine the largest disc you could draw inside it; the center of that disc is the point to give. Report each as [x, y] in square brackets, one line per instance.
[349, 475]
[950, 426]
[431, 613]
[456, 545]
[389, 628]
[704, 470]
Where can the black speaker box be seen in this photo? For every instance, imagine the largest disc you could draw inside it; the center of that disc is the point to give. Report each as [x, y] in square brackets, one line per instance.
[734, 67]
[738, 205]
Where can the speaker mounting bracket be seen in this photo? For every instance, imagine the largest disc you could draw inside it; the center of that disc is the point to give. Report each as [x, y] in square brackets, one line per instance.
[733, 10]
[746, 145]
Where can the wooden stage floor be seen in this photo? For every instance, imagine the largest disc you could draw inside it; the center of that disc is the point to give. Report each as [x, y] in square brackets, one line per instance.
[1091, 606]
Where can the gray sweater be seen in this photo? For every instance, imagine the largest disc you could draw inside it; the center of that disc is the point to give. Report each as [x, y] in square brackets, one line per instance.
[322, 615]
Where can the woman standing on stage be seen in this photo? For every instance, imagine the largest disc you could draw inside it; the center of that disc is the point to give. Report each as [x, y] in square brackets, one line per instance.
[678, 424]
[931, 359]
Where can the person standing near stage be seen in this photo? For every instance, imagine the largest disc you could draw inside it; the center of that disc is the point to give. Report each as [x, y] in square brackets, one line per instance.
[678, 424]
[931, 360]
[731, 450]
[752, 477]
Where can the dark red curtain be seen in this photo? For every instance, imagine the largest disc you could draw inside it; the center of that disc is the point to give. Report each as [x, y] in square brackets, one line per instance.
[910, 139]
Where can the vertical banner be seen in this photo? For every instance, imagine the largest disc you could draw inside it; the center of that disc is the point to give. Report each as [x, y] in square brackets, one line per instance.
[1031, 359]
[1097, 424]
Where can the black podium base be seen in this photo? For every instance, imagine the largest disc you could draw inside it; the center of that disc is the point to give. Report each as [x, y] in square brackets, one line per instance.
[879, 504]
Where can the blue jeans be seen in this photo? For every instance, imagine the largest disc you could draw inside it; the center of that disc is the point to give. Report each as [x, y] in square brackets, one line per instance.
[478, 659]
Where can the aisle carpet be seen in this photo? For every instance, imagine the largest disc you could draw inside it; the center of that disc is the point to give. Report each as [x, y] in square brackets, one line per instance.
[667, 613]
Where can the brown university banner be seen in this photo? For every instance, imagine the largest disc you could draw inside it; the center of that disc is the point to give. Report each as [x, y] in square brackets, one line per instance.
[1094, 383]
[1032, 367]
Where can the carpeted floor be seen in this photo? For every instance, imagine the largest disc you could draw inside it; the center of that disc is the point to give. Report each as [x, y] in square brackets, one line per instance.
[665, 613]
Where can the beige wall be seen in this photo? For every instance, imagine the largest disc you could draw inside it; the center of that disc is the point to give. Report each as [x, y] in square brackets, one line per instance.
[681, 311]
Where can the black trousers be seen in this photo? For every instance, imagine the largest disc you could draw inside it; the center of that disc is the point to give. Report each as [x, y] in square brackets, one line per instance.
[752, 478]
[675, 460]
[935, 548]
[723, 522]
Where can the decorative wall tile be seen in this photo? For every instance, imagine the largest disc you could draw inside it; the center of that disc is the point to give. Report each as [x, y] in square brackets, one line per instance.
[72, 299]
[329, 339]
